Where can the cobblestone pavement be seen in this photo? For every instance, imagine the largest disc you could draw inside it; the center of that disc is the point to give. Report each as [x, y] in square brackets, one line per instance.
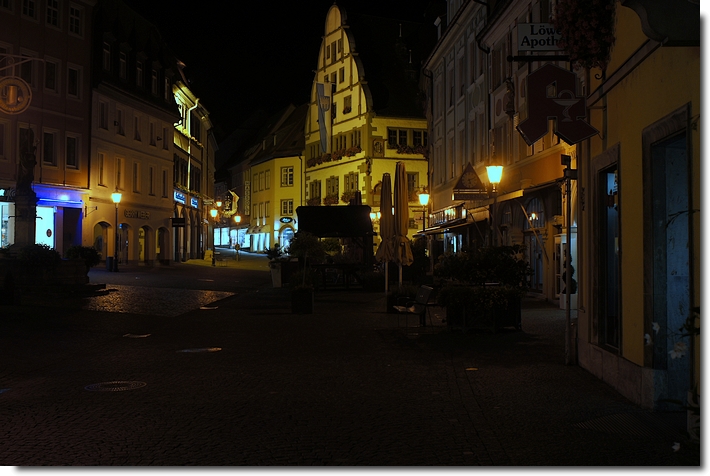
[242, 381]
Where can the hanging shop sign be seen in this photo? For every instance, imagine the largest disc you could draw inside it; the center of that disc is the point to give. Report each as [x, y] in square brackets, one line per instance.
[179, 197]
[552, 94]
[286, 219]
[538, 37]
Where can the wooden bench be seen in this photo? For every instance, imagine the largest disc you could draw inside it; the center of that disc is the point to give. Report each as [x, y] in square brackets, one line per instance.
[420, 306]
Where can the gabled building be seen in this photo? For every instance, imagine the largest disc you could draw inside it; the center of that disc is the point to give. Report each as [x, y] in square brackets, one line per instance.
[195, 148]
[366, 113]
[640, 242]
[45, 106]
[477, 98]
[265, 177]
[133, 112]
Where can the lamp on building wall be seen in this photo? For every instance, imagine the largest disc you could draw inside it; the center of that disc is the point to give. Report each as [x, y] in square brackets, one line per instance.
[495, 173]
[116, 198]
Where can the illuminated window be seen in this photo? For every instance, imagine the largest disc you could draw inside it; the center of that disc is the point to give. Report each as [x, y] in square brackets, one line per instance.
[287, 207]
[286, 176]
[350, 182]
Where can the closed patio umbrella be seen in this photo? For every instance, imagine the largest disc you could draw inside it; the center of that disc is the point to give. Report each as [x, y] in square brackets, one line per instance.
[402, 246]
[385, 252]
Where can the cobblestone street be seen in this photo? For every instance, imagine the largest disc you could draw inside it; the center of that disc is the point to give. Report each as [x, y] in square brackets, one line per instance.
[241, 381]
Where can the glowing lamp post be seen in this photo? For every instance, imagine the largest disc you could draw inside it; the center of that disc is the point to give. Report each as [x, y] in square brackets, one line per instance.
[495, 173]
[424, 201]
[116, 197]
[237, 220]
[213, 213]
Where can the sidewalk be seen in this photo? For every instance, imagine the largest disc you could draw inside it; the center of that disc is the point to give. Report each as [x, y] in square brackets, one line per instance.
[242, 381]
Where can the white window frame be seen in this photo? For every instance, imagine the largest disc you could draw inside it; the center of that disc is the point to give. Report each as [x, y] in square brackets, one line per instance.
[287, 207]
[287, 176]
[79, 80]
[56, 9]
[49, 158]
[76, 20]
[101, 172]
[69, 138]
[57, 69]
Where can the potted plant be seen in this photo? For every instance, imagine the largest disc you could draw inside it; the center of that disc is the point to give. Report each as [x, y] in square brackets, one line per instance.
[483, 288]
[88, 254]
[276, 259]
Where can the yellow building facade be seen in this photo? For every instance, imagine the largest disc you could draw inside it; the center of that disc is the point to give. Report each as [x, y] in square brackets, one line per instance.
[639, 212]
[373, 119]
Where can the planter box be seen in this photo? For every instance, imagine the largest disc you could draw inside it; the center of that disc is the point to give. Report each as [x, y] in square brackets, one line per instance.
[467, 317]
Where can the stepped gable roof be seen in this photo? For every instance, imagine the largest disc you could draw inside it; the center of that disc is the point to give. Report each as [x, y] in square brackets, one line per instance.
[390, 53]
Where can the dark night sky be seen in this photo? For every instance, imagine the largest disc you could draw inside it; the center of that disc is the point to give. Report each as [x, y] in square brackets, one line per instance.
[246, 55]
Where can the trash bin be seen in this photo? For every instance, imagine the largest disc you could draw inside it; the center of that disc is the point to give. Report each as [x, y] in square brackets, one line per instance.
[109, 263]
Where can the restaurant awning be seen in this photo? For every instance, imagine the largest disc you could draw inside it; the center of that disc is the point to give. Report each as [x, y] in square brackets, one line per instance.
[338, 221]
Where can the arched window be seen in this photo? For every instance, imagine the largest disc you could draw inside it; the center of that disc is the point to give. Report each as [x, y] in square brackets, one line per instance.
[536, 214]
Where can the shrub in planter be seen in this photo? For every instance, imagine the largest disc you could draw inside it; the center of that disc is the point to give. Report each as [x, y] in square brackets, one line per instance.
[481, 307]
[306, 245]
[88, 254]
[40, 256]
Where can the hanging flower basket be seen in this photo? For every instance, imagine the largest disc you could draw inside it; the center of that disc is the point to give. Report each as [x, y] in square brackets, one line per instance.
[313, 202]
[587, 31]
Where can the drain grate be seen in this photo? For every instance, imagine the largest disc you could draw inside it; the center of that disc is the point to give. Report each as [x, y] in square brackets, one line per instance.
[115, 386]
[203, 349]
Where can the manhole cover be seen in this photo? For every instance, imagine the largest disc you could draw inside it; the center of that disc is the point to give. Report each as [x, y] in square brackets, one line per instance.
[204, 349]
[136, 336]
[115, 386]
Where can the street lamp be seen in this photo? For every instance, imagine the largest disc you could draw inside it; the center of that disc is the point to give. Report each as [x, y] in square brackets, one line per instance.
[237, 220]
[424, 201]
[213, 212]
[495, 173]
[116, 197]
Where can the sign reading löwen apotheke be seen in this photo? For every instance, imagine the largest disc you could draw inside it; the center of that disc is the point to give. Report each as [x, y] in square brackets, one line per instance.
[538, 37]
